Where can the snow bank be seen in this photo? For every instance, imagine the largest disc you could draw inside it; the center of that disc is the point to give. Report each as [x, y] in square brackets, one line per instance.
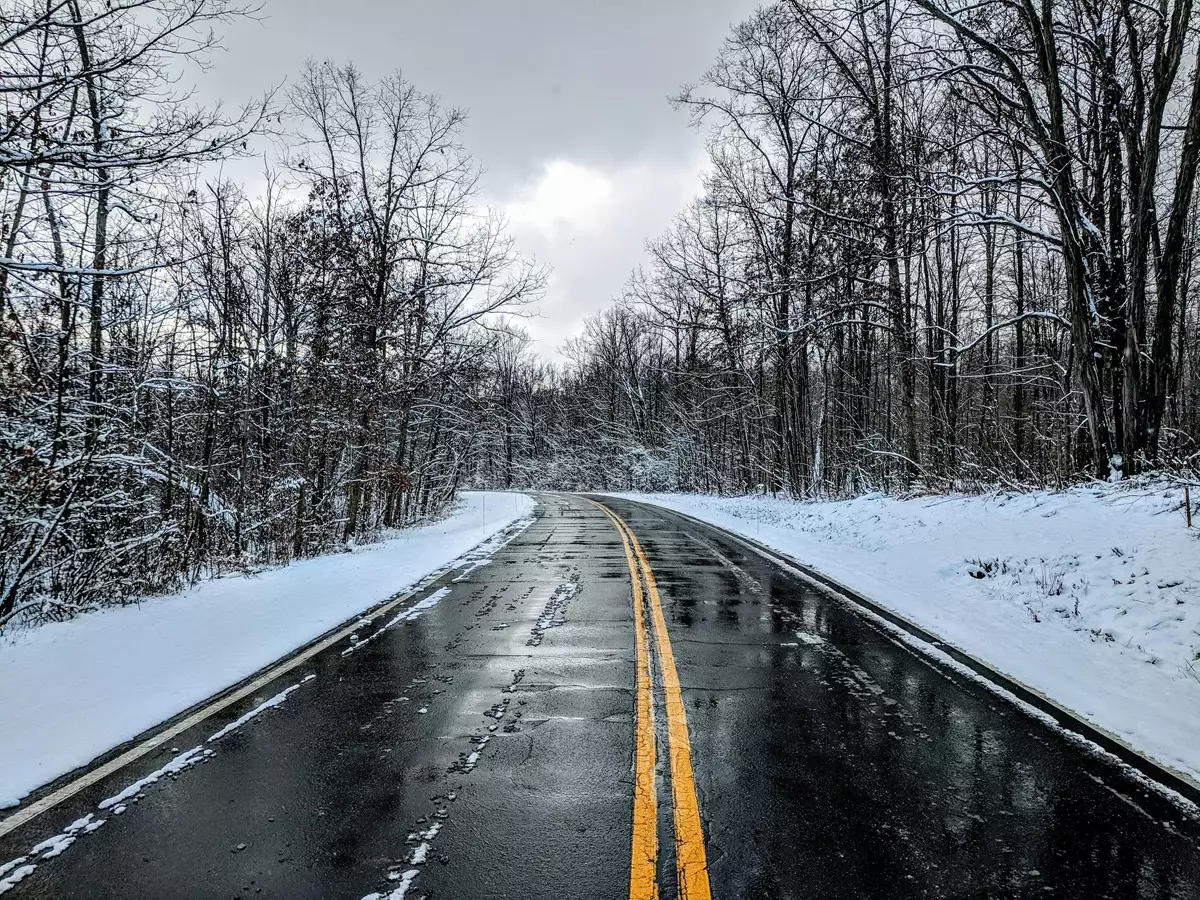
[70, 691]
[1091, 595]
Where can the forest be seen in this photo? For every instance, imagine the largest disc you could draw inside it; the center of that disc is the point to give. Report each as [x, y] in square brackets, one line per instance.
[939, 246]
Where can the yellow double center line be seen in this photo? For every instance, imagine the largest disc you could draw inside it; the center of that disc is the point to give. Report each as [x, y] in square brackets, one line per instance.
[690, 859]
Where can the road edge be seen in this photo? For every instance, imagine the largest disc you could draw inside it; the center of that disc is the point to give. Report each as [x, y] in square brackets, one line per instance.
[429, 581]
[1179, 786]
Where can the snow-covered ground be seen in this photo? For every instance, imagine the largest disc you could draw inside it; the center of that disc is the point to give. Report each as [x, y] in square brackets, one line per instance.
[1091, 595]
[70, 691]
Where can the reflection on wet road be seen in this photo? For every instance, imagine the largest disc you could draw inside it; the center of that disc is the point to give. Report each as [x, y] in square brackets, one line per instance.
[482, 740]
[831, 763]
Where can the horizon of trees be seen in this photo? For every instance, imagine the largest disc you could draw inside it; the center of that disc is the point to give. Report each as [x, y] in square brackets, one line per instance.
[939, 246]
[193, 379]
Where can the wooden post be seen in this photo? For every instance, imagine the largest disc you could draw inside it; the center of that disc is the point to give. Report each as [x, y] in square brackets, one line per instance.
[1187, 504]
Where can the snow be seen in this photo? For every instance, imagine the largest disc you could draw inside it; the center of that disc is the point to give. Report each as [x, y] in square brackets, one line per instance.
[420, 854]
[7, 867]
[413, 612]
[472, 759]
[54, 846]
[552, 615]
[17, 875]
[398, 893]
[58, 844]
[1090, 595]
[183, 761]
[73, 690]
[275, 701]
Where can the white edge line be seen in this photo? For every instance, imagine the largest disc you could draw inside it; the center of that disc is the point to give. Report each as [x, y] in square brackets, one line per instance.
[53, 799]
[931, 650]
[933, 653]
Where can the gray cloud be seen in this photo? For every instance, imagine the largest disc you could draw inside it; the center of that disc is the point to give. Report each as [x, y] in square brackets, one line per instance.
[567, 104]
[591, 223]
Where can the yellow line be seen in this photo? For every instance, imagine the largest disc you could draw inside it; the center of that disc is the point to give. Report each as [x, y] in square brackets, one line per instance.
[643, 868]
[19, 818]
[691, 858]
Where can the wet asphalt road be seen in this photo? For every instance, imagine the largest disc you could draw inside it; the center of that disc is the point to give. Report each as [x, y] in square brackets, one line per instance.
[484, 749]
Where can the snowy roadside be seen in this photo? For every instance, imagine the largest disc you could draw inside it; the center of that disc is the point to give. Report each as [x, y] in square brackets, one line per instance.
[1091, 596]
[70, 691]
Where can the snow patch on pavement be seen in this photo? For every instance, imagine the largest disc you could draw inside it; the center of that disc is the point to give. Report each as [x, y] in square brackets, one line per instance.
[413, 612]
[400, 890]
[57, 844]
[275, 701]
[75, 689]
[1091, 595]
[7, 867]
[421, 853]
[16, 870]
[14, 877]
[418, 857]
[184, 760]
[486, 552]
[554, 613]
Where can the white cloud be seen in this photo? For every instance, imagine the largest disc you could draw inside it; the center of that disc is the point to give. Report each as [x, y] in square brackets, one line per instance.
[566, 196]
[590, 225]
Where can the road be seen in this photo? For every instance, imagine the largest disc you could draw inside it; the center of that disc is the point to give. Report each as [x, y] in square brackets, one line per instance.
[524, 729]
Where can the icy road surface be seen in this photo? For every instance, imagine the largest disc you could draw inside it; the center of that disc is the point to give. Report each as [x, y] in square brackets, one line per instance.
[492, 743]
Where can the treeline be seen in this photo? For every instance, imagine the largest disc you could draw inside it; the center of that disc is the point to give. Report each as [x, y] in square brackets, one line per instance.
[940, 244]
[197, 375]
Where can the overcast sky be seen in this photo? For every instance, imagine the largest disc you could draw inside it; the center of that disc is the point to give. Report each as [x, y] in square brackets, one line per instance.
[567, 102]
